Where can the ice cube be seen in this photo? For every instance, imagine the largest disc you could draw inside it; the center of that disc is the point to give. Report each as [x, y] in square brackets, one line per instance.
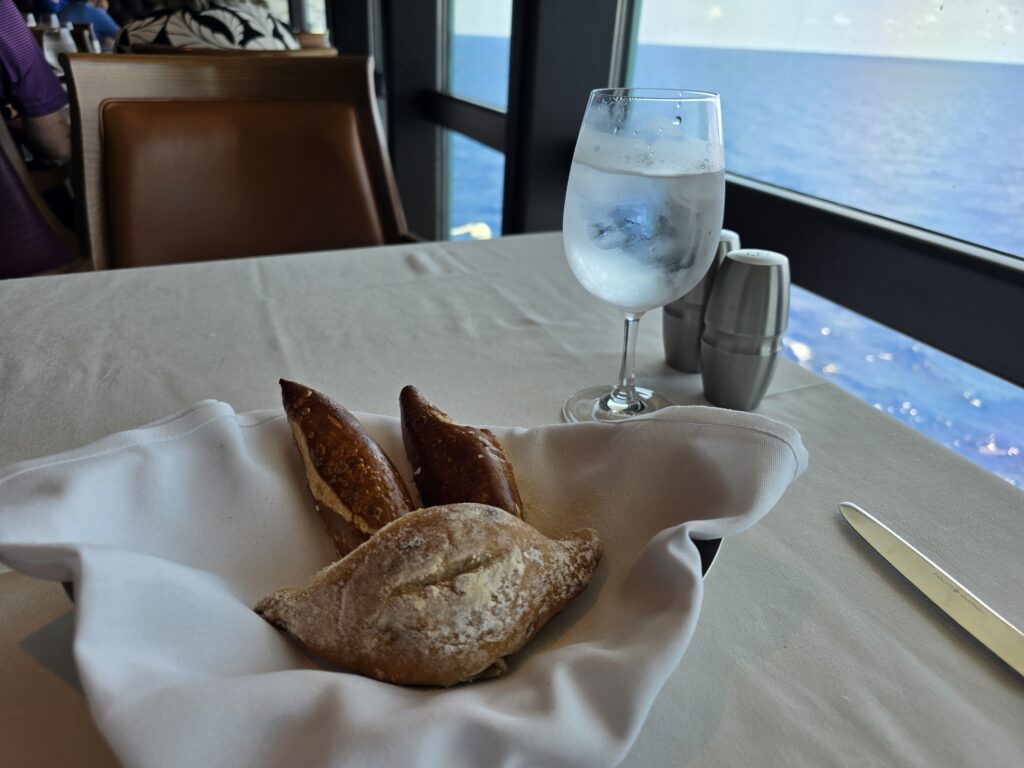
[606, 235]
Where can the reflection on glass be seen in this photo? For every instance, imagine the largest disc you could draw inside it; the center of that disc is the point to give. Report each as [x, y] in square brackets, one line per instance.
[476, 179]
[478, 49]
[911, 110]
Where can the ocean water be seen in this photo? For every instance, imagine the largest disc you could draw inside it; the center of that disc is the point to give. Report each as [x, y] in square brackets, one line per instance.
[936, 144]
[975, 414]
[932, 143]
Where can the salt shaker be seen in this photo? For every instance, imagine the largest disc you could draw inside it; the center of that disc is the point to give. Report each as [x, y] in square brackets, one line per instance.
[682, 321]
[747, 313]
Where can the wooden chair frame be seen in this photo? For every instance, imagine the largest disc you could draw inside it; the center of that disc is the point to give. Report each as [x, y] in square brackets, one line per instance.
[94, 79]
[169, 50]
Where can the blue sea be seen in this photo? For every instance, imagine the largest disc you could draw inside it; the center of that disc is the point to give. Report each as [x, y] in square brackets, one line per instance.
[936, 144]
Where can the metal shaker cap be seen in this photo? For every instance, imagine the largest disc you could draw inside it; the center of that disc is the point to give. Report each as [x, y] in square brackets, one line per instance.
[729, 242]
[751, 295]
[698, 295]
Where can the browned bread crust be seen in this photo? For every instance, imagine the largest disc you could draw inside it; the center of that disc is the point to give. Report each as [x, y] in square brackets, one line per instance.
[356, 488]
[453, 463]
[438, 596]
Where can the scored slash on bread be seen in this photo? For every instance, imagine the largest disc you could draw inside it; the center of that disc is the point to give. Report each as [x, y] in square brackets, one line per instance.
[356, 487]
[437, 597]
[453, 463]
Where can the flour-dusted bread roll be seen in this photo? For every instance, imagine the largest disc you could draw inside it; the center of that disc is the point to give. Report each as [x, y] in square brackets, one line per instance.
[453, 463]
[437, 597]
[356, 488]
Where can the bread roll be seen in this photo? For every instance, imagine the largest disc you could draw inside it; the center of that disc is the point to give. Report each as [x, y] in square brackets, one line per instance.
[438, 596]
[355, 487]
[454, 463]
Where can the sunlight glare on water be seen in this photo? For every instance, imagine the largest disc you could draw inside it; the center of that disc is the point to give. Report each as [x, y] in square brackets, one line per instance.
[978, 415]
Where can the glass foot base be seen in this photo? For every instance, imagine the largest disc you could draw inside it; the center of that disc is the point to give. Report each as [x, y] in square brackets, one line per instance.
[597, 404]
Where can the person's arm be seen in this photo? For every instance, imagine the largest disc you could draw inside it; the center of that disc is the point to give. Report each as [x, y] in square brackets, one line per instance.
[29, 85]
[104, 26]
[49, 136]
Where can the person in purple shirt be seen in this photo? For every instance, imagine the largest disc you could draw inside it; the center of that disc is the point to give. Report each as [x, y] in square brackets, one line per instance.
[32, 100]
[29, 88]
[84, 12]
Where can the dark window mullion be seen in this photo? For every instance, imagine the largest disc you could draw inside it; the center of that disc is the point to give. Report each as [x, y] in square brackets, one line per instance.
[477, 121]
[412, 54]
[297, 15]
[627, 23]
[560, 51]
[349, 23]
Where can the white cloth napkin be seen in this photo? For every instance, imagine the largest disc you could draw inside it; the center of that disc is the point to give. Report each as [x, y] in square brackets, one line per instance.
[171, 532]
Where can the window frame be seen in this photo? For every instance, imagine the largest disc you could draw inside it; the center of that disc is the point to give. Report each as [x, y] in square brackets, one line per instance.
[297, 14]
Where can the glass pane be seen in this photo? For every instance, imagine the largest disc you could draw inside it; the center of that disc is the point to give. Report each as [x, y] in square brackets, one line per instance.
[978, 415]
[478, 46]
[907, 109]
[476, 179]
[316, 16]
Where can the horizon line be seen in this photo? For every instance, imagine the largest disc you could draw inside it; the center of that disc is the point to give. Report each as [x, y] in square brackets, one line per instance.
[869, 54]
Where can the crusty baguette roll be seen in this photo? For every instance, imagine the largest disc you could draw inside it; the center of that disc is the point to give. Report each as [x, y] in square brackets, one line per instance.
[355, 487]
[453, 463]
[438, 596]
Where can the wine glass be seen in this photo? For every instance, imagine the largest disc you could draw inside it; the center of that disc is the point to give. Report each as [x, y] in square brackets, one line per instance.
[643, 216]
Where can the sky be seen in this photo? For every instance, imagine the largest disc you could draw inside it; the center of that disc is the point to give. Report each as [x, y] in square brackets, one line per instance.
[973, 30]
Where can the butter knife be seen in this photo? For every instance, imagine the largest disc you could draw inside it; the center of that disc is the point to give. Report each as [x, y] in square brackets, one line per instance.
[987, 626]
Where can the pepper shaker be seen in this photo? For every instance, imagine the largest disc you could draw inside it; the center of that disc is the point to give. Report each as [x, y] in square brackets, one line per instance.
[682, 321]
[747, 313]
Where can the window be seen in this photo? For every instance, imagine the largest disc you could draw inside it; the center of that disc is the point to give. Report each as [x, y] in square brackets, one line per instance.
[478, 43]
[316, 16]
[479, 36]
[908, 110]
[903, 110]
[958, 296]
[475, 179]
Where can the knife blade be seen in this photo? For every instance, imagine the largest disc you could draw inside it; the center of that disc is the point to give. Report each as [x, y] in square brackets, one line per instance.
[958, 602]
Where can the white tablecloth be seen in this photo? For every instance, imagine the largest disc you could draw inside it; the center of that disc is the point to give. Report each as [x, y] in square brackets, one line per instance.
[809, 651]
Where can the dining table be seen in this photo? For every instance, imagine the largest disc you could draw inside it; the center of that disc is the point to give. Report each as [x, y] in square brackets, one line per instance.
[809, 650]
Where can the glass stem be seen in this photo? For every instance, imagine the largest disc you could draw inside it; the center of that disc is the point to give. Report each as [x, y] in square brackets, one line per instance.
[624, 396]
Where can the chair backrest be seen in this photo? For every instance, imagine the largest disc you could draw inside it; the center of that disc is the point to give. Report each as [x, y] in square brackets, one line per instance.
[32, 240]
[312, 39]
[170, 50]
[190, 158]
[85, 38]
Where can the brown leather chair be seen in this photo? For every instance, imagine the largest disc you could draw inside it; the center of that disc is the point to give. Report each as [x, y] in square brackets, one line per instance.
[312, 40]
[191, 158]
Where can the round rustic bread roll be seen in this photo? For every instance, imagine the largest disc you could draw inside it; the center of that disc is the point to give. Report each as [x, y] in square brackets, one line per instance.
[437, 597]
